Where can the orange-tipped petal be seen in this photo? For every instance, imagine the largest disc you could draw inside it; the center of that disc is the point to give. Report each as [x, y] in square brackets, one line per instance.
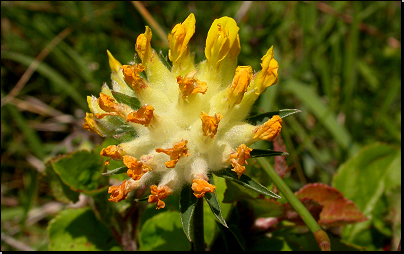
[180, 149]
[118, 193]
[238, 159]
[269, 130]
[142, 116]
[200, 187]
[210, 123]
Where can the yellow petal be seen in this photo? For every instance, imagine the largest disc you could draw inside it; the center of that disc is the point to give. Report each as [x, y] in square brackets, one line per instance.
[143, 47]
[90, 124]
[222, 39]
[179, 37]
[268, 76]
[113, 63]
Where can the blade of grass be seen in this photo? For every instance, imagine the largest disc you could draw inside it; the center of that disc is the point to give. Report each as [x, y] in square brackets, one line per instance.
[33, 141]
[57, 80]
[323, 113]
[34, 64]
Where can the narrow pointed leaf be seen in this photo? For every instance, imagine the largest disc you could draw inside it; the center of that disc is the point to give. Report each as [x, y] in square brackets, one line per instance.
[133, 102]
[266, 153]
[164, 60]
[187, 210]
[115, 171]
[282, 113]
[246, 181]
[211, 199]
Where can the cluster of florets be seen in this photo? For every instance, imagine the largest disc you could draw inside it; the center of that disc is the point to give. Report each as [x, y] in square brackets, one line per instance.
[192, 117]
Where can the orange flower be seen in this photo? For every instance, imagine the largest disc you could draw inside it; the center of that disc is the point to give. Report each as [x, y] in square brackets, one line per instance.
[238, 159]
[142, 116]
[108, 104]
[269, 130]
[118, 193]
[200, 187]
[190, 85]
[175, 153]
[210, 123]
[157, 194]
[132, 77]
[241, 80]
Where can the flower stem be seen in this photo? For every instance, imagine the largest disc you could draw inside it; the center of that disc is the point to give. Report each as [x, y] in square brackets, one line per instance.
[320, 236]
[198, 234]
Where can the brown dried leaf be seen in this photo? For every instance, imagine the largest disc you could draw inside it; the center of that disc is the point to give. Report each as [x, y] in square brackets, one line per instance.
[337, 210]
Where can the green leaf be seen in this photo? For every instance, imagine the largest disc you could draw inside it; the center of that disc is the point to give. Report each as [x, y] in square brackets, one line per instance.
[81, 171]
[266, 153]
[187, 209]
[116, 171]
[163, 232]
[164, 60]
[282, 113]
[213, 202]
[61, 191]
[126, 136]
[365, 179]
[235, 192]
[246, 181]
[210, 222]
[266, 208]
[79, 230]
[133, 102]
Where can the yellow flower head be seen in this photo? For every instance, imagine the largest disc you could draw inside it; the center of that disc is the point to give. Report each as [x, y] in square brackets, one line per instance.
[186, 121]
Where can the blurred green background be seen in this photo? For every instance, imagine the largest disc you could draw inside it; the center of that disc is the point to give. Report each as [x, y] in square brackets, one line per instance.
[340, 63]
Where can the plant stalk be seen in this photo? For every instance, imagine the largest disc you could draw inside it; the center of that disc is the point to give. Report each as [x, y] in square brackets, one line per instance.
[198, 233]
[320, 235]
